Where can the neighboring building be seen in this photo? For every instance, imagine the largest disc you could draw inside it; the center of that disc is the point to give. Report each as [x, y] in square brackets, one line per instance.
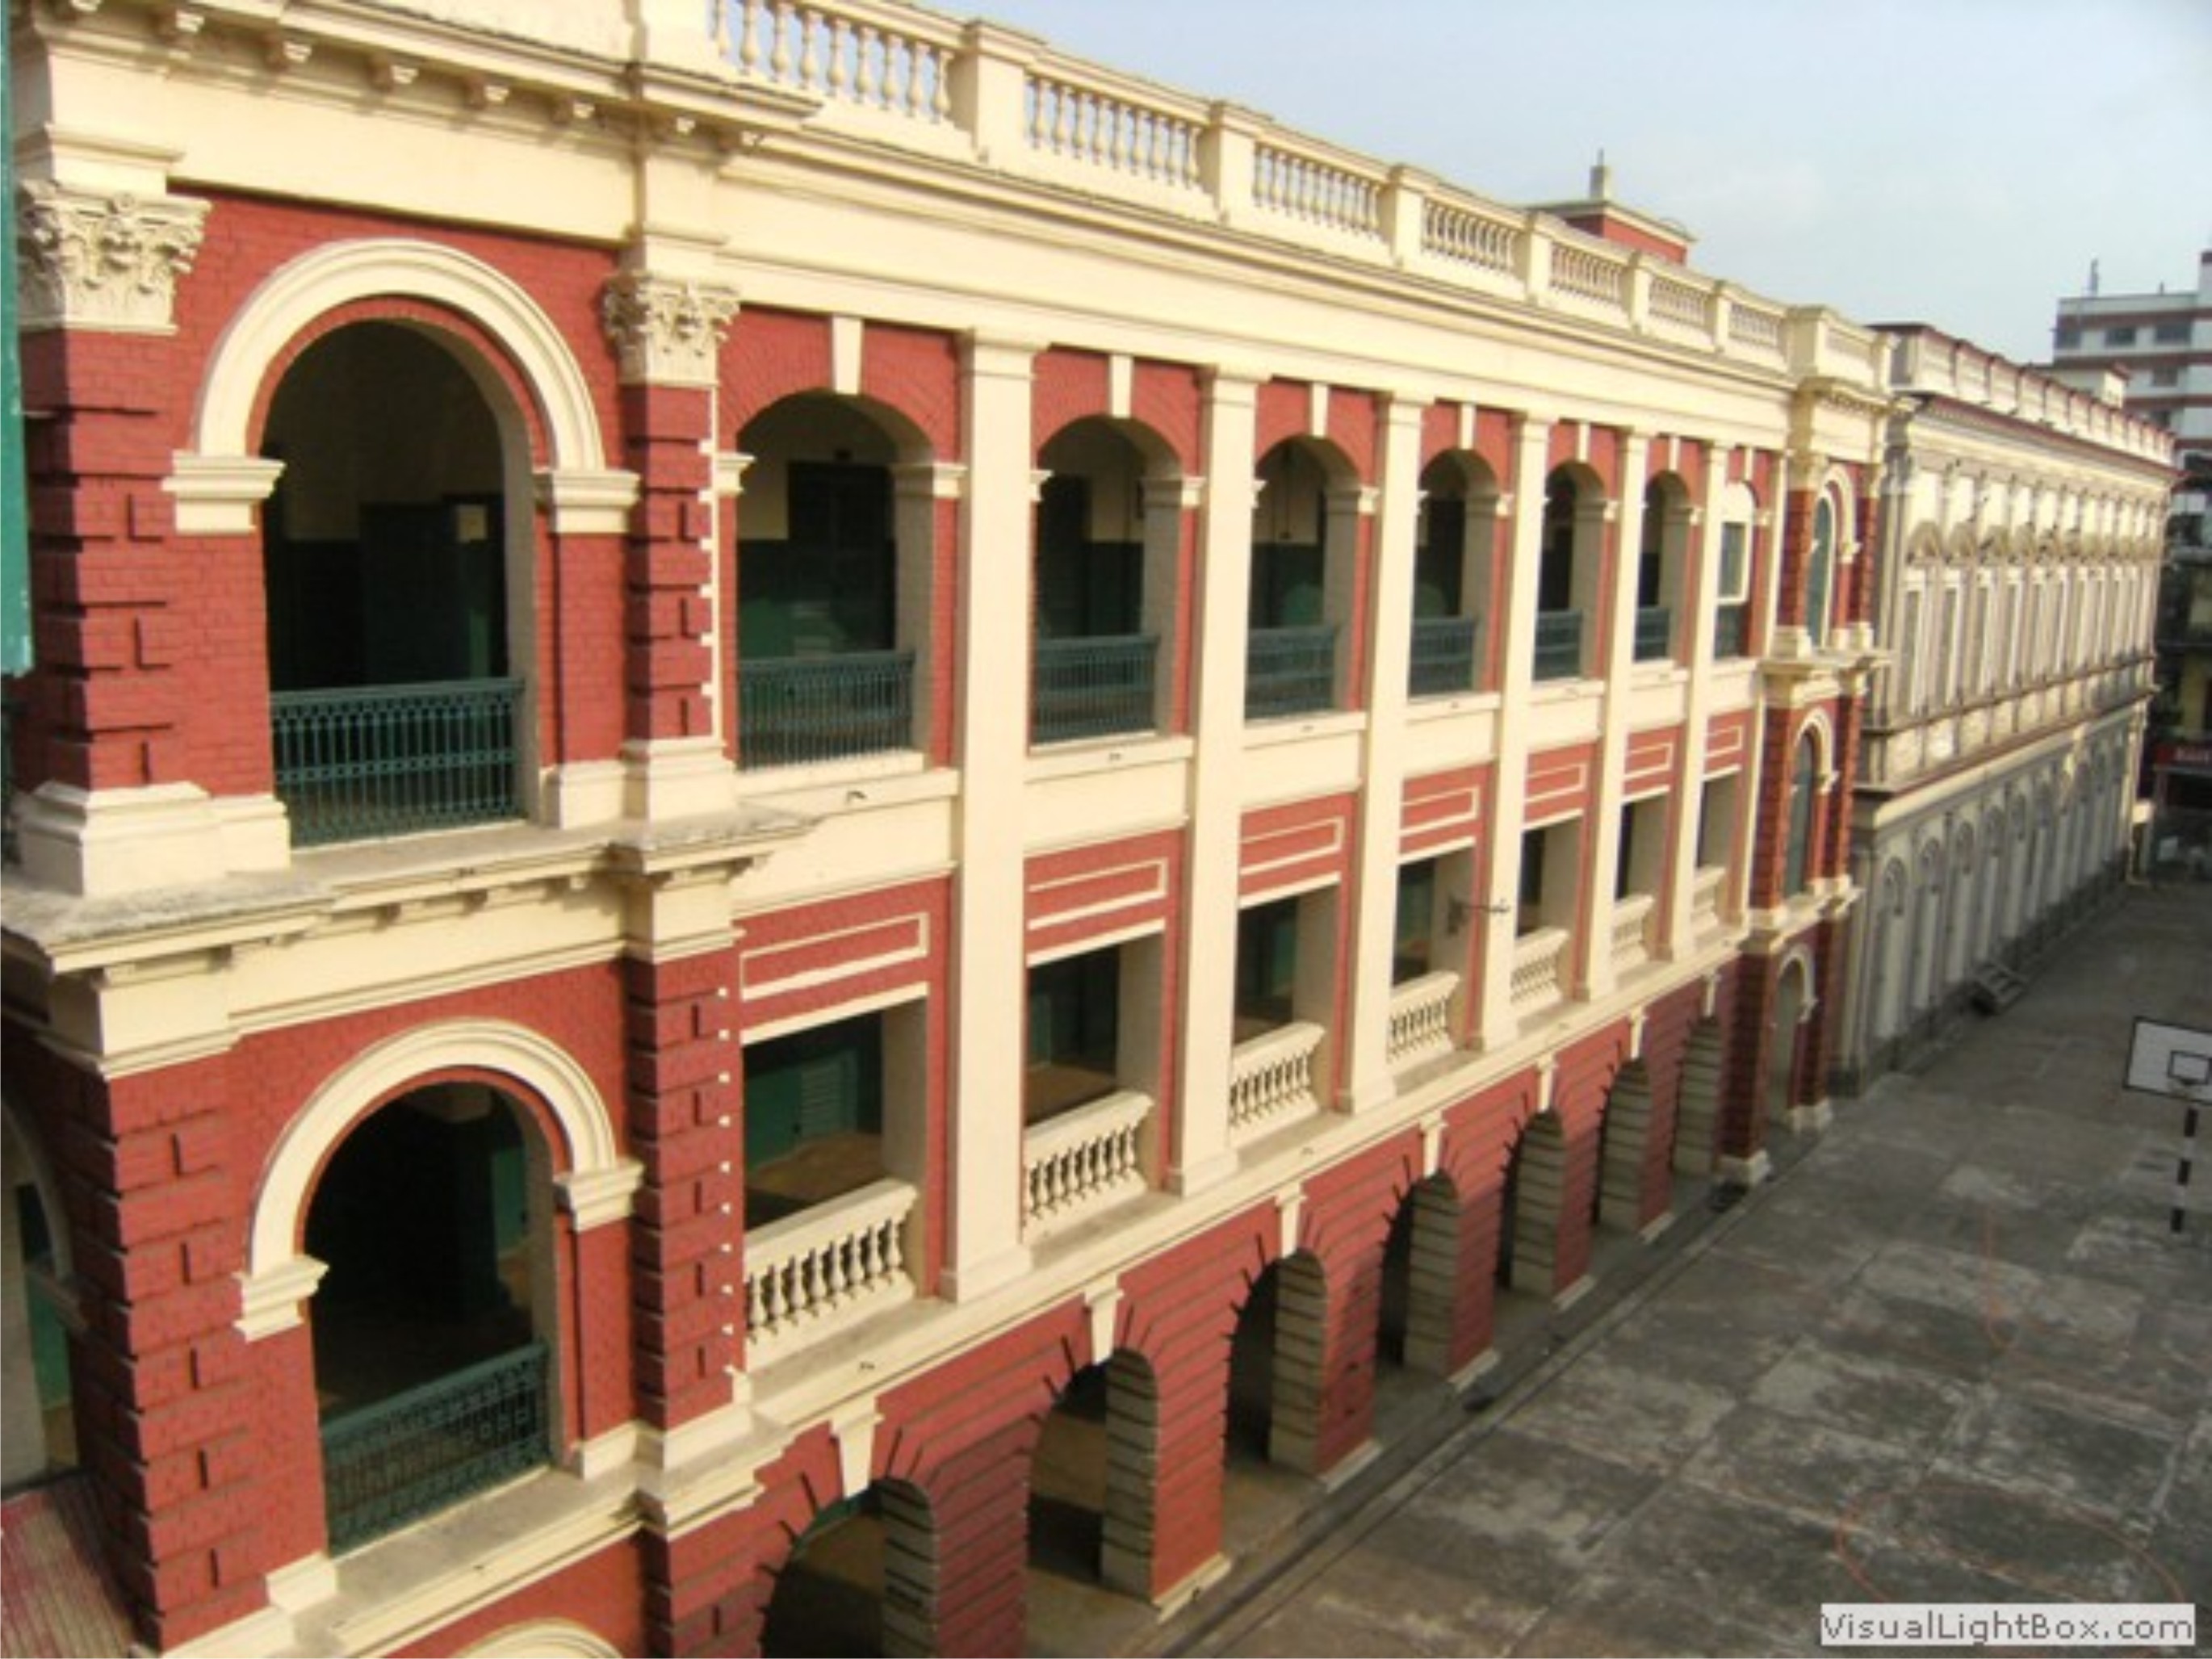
[2162, 343]
[2021, 533]
[793, 789]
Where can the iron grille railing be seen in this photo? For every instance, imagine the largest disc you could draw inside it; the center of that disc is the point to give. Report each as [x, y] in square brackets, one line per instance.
[1558, 645]
[1289, 671]
[392, 760]
[1655, 632]
[409, 1455]
[1092, 688]
[1731, 630]
[1443, 656]
[793, 711]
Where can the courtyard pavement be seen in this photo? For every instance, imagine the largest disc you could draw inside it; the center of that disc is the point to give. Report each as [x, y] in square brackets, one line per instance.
[1952, 1352]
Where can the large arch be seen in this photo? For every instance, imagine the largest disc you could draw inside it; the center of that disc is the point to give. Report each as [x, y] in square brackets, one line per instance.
[597, 1181]
[295, 295]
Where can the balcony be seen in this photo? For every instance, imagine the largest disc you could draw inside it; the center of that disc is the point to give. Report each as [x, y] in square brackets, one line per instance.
[1708, 892]
[1272, 1076]
[396, 760]
[1655, 633]
[1083, 1160]
[1091, 688]
[828, 1266]
[1632, 929]
[1539, 967]
[419, 1451]
[1290, 671]
[797, 711]
[1558, 645]
[1420, 1018]
[1444, 658]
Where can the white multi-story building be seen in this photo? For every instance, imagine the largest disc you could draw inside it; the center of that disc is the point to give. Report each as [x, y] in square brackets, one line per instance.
[2022, 525]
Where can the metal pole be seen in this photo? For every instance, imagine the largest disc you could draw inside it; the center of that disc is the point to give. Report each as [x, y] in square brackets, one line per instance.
[2188, 1157]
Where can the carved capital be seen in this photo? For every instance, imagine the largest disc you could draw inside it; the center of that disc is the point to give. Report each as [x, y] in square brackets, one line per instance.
[667, 331]
[90, 260]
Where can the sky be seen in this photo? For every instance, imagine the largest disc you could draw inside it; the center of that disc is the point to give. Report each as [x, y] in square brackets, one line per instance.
[1954, 162]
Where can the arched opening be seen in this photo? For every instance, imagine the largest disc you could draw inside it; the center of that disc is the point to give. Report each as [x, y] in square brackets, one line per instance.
[833, 583]
[1786, 1050]
[1092, 1485]
[1696, 1117]
[1804, 798]
[38, 1314]
[861, 1579]
[1820, 573]
[1662, 569]
[1108, 532]
[1455, 566]
[1623, 1138]
[1421, 1279]
[1927, 941]
[1275, 1367]
[433, 1323]
[1528, 1222]
[1568, 576]
[1958, 911]
[1305, 541]
[396, 562]
[1888, 985]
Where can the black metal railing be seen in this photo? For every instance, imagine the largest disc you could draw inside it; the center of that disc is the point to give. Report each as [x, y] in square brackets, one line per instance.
[1289, 671]
[415, 1453]
[793, 711]
[1443, 656]
[1092, 688]
[1558, 645]
[395, 760]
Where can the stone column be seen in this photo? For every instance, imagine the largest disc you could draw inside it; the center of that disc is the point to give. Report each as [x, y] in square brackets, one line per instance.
[984, 1249]
[1201, 1153]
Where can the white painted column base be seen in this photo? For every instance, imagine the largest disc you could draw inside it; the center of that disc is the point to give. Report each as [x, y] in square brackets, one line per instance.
[101, 842]
[1746, 1171]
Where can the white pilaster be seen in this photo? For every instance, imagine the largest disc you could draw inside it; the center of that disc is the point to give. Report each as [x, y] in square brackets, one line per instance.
[1702, 593]
[1517, 647]
[1364, 1042]
[1202, 1155]
[984, 1249]
[1617, 633]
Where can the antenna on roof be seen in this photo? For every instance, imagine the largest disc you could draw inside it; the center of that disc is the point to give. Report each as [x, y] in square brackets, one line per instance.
[1601, 180]
[2093, 279]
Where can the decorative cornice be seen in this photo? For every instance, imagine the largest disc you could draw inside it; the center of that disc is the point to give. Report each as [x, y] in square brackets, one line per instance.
[667, 330]
[96, 261]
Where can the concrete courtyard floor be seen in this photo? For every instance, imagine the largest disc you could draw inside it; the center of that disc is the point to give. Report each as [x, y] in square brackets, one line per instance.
[1952, 1352]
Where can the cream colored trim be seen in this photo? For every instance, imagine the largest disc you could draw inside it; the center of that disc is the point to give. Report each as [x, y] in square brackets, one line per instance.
[280, 1208]
[293, 296]
[543, 1639]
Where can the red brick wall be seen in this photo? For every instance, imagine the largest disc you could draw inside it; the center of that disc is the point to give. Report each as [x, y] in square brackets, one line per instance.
[605, 1593]
[1579, 1085]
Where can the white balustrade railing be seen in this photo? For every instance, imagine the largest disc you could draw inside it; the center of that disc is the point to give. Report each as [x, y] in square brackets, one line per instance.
[1303, 185]
[1271, 1075]
[1420, 1018]
[1095, 127]
[884, 68]
[1632, 929]
[1538, 959]
[1488, 241]
[1708, 891]
[826, 1266]
[886, 57]
[1085, 1159]
[1588, 274]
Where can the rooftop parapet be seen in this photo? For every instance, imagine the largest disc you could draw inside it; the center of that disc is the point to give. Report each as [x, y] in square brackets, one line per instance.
[1926, 360]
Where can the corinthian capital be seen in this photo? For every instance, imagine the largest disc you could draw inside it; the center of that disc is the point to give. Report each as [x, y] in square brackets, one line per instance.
[667, 330]
[90, 260]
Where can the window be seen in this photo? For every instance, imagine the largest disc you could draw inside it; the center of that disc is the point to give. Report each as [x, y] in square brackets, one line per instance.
[1820, 572]
[1642, 863]
[1716, 814]
[1267, 966]
[1075, 1032]
[2069, 336]
[1732, 614]
[814, 1116]
[2166, 377]
[1804, 790]
[2120, 337]
[1413, 937]
[2173, 333]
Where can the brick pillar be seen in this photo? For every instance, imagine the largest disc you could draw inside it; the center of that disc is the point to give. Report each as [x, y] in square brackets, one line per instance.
[1742, 1137]
[1796, 545]
[688, 1276]
[668, 619]
[170, 1433]
[1831, 947]
[977, 1523]
[1344, 1418]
